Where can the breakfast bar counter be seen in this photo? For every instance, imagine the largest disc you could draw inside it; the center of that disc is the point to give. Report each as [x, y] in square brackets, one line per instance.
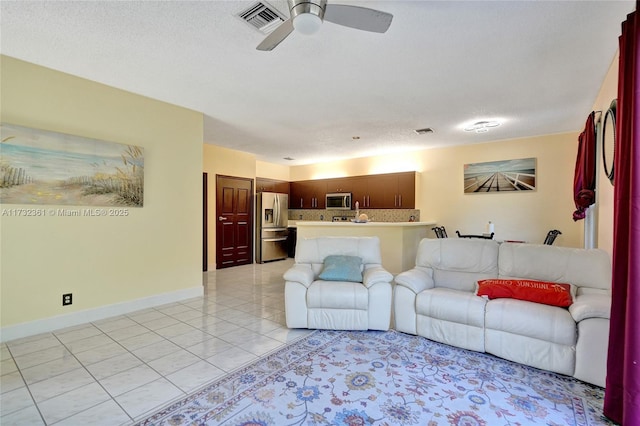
[398, 240]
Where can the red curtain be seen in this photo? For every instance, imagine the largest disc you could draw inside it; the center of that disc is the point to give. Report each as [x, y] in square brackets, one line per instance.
[622, 395]
[584, 180]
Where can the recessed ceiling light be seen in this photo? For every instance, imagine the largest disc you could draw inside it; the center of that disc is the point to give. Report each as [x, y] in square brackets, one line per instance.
[355, 138]
[481, 126]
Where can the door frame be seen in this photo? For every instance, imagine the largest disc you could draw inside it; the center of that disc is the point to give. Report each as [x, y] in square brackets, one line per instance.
[250, 219]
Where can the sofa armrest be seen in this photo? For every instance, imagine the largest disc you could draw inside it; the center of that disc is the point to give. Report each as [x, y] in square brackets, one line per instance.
[590, 306]
[417, 279]
[300, 273]
[374, 275]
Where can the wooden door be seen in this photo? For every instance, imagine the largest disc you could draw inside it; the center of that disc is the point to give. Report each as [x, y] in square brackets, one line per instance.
[234, 224]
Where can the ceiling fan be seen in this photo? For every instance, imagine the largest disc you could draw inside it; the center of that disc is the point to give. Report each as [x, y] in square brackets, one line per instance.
[306, 16]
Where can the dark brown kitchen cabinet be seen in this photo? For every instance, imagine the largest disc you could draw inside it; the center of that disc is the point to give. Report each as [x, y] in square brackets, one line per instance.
[407, 190]
[386, 191]
[308, 194]
[338, 185]
[360, 192]
[272, 185]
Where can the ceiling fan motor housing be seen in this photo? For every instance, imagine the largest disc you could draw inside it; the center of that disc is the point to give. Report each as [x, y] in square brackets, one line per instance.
[306, 17]
[300, 7]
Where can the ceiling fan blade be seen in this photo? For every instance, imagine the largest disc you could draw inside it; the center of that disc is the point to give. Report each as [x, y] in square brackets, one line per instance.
[361, 18]
[277, 36]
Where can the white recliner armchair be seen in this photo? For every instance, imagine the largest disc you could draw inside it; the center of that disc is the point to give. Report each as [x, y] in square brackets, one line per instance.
[338, 283]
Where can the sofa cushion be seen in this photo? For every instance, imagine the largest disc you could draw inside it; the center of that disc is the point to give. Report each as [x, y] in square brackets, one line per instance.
[342, 268]
[337, 295]
[452, 317]
[580, 267]
[548, 293]
[451, 305]
[457, 263]
[315, 250]
[542, 322]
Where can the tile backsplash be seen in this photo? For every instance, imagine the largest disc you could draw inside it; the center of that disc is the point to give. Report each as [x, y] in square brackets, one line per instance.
[375, 215]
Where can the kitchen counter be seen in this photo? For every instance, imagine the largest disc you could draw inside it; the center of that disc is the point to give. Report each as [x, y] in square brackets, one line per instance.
[296, 223]
[398, 240]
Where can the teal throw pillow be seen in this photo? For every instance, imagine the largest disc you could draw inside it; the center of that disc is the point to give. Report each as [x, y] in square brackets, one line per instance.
[342, 268]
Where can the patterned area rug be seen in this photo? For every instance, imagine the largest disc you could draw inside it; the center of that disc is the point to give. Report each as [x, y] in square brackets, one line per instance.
[386, 378]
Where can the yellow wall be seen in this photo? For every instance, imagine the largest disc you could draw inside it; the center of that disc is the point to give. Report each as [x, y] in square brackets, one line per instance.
[272, 171]
[227, 162]
[523, 216]
[102, 260]
[389, 163]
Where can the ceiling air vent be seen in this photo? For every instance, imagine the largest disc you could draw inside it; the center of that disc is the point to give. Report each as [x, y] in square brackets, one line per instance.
[424, 131]
[262, 16]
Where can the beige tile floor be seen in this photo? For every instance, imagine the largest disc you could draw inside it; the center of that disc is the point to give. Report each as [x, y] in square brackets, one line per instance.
[117, 370]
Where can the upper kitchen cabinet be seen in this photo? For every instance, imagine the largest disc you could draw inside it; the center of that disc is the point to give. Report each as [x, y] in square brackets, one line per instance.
[360, 192]
[308, 194]
[272, 185]
[338, 185]
[386, 191]
[407, 190]
[394, 191]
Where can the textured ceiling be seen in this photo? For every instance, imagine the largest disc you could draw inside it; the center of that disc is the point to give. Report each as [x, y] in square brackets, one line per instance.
[536, 65]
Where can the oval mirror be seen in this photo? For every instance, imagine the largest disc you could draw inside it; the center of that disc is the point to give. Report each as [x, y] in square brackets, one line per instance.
[609, 140]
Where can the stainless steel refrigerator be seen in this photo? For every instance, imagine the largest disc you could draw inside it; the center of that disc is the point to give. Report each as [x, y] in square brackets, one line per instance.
[272, 216]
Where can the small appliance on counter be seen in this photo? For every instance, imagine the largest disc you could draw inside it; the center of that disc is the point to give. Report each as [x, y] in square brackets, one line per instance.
[341, 218]
[272, 217]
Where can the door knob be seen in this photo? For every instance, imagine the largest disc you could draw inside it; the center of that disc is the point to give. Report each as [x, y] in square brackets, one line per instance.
[222, 218]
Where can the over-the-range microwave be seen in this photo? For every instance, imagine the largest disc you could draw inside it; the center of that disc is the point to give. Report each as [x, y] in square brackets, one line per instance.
[339, 201]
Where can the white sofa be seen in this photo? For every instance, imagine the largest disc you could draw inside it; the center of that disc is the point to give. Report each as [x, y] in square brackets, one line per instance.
[311, 302]
[437, 299]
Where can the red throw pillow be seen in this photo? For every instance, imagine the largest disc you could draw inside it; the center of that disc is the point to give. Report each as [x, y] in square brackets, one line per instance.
[545, 292]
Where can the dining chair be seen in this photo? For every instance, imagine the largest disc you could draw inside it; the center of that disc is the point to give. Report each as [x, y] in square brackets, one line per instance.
[484, 236]
[440, 231]
[551, 236]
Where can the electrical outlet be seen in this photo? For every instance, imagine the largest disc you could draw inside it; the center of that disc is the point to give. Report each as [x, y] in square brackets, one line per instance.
[67, 299]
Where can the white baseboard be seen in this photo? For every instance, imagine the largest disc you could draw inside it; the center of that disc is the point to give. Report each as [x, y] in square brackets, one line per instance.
[45, 325]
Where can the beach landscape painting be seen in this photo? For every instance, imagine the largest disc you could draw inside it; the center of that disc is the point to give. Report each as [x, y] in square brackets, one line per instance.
[500, 176]
[43, 167]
